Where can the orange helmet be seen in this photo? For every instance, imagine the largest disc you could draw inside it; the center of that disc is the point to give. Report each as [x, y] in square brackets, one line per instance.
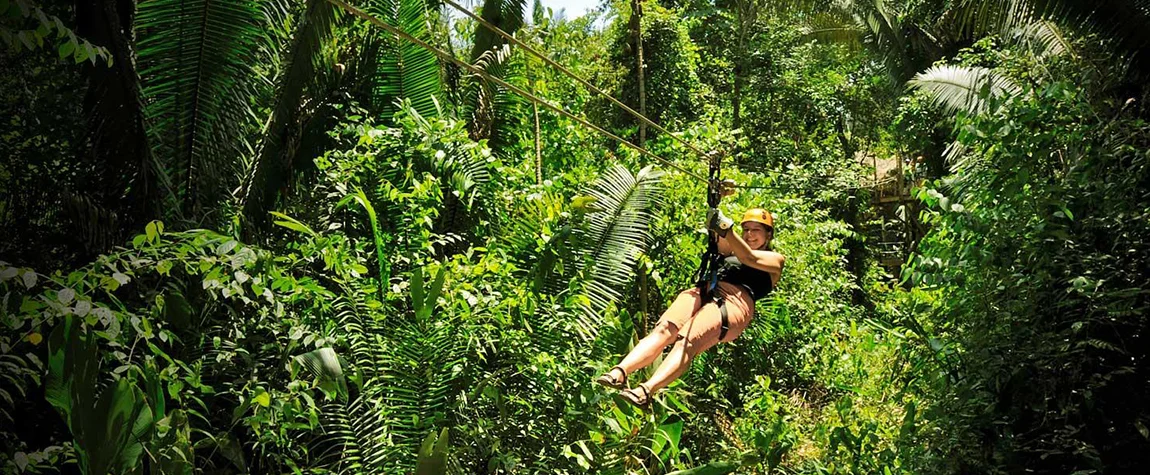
[759, 215]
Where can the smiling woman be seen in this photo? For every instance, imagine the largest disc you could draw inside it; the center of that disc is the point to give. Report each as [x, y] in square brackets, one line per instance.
[694, 324]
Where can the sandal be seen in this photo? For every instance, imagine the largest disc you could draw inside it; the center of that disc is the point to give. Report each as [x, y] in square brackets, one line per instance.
[633, 397]
[608, 379]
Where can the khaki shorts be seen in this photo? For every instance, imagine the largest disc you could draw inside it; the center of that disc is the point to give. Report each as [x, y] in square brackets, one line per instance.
[701, 324]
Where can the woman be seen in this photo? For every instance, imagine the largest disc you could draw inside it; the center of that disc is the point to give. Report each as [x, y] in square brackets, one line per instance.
[753, 271]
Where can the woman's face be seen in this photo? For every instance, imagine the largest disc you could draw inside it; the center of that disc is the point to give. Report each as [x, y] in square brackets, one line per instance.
[757, 235]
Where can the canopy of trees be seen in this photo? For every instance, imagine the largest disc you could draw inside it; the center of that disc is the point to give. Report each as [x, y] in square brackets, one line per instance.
[267, 236]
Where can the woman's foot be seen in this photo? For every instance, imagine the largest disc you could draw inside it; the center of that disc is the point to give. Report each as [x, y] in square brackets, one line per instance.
[615, 378]
[642, 401]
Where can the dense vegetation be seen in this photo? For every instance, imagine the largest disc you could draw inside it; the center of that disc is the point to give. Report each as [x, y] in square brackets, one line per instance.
[264, 236]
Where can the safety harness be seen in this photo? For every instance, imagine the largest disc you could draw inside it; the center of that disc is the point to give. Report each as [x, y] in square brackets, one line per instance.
[707, 276]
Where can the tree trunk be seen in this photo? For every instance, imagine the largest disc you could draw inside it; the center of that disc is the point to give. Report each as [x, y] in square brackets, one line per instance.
[114, 108]
[856, 249]
[538, 141]
[736, 96]
[538, 147]
[637, 31]
[641, 326]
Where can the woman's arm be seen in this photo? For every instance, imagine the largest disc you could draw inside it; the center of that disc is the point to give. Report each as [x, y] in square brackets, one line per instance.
[767, 261]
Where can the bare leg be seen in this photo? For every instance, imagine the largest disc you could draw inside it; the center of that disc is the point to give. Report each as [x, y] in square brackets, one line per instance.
[677, 362]
[649, 347]
[702, 333]
[664, 333]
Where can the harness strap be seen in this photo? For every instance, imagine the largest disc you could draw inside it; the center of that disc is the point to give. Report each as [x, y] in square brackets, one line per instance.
[725, 324]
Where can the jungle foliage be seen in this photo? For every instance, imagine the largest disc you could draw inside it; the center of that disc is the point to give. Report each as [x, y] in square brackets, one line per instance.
[264, 236]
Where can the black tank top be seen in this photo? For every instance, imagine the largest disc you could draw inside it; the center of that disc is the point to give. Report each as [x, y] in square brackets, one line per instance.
[757, 282]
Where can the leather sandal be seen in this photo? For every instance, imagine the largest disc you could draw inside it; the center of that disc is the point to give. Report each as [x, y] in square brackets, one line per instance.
[608, 379]
[642, 402]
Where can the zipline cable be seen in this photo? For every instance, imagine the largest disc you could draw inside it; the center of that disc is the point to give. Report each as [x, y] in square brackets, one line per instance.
[479, 72]
[584, 82]
[533, 98]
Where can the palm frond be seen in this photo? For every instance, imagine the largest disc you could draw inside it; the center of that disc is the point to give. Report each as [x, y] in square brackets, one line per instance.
[424, 366]
[363, 331]
[491, 108]
[505, 14]
[405, 70]
[616, 233]
[1125, 22]
[971, 90]
[537, 238]
[271, 170]
[195, 58]
[1045, 39]
[835, 25]
[462, 163]
[406, 371]
[873, 25]
[980, 18]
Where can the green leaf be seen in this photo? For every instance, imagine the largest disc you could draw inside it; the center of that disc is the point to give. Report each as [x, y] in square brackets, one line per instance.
[432, 458]
[65, 295]
[324, 365]
[80, 54]
[292, 224]
[66, 49]
[263, 398]
[29, 278]
[377, 234]
[150, 231]
[227, 247]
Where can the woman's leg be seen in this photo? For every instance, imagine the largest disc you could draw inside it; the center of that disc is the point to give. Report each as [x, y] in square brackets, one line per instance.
[676, 363]
[664, 333]
[701, 334]
[650, 347]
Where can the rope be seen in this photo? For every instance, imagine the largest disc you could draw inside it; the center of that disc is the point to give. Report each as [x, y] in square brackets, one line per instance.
[578, 79]
[479, 72]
